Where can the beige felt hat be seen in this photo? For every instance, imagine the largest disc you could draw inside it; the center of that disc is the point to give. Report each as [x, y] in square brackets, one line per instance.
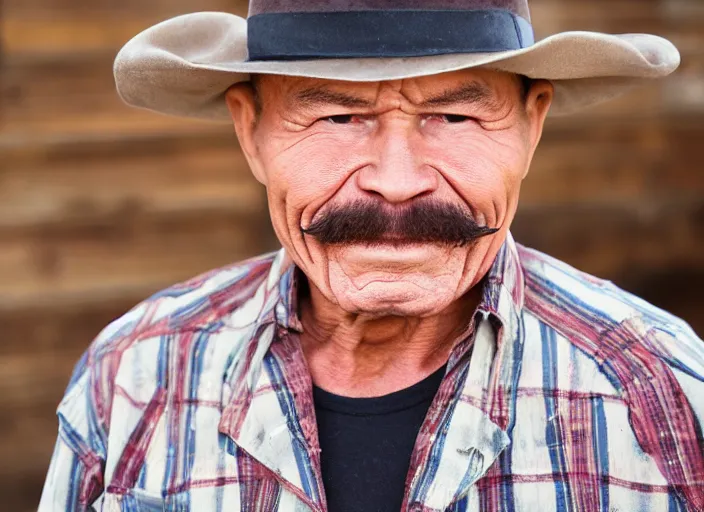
[184, 65]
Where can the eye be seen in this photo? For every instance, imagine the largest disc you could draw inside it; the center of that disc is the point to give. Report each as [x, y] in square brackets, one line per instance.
[341, 119]
[447, 118]
[454, 118]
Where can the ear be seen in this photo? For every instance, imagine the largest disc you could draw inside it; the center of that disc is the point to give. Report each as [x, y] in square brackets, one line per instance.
[241, 103]
[537, 105]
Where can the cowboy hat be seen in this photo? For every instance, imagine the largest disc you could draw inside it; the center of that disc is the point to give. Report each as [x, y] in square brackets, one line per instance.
[184, 66]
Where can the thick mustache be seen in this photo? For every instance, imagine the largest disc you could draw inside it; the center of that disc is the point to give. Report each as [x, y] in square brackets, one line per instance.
[421, 222]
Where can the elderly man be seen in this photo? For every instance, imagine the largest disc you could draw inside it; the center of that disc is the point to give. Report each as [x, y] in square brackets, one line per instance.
[401, 352]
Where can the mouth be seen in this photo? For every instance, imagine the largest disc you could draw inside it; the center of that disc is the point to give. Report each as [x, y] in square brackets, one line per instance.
[395, 241]
[395, 246]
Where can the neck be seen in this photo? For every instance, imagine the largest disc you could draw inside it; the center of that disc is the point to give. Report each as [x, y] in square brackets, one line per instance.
[362, 356]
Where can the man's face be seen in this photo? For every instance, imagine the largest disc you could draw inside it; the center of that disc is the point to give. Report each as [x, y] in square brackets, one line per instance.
[382, 192]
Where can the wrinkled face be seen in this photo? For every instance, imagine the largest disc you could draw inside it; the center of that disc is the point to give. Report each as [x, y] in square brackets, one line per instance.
[433, 158]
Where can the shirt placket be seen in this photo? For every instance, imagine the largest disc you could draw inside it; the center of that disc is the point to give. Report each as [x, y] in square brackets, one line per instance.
[459, 440]
[275, 425]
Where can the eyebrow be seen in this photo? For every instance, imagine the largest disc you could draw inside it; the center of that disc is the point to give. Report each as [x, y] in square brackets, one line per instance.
[321, 96]
[471, 92]
[468, 93]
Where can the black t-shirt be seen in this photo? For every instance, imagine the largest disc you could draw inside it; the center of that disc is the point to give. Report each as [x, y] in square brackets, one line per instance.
[367, 444]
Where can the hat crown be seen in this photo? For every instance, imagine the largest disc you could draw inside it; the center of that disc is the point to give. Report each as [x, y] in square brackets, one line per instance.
[517, 7]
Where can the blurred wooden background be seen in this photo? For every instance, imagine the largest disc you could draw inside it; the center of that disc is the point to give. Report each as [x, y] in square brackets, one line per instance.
[101, 205]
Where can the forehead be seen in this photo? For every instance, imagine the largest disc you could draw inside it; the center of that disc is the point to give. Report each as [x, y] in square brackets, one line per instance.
[496, 83]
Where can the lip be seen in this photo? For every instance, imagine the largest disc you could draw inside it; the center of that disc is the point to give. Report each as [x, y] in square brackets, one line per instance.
[390, 251]
[395, 244]
[399, 241]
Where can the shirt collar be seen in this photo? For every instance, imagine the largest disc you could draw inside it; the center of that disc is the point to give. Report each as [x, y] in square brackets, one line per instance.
[289, 284]
[503, 294]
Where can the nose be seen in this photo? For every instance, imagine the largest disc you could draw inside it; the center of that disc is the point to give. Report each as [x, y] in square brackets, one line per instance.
[398, 174]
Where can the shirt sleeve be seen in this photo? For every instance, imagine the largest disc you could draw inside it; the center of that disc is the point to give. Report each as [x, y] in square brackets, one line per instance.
[683, 352]
[72, 484]
[75, 480]
[75, 477]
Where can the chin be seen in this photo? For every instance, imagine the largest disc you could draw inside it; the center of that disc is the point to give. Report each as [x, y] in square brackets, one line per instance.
[394, 299]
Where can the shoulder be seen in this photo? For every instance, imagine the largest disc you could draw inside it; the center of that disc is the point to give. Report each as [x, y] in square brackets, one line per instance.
[640, 369]
[580, 306]
[193, 304]
[137, 343]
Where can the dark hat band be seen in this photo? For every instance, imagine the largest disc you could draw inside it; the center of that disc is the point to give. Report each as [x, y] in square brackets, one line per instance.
[384, 33]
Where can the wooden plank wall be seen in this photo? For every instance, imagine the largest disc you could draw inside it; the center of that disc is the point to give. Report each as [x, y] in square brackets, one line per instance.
[100, 205]
[618, 191]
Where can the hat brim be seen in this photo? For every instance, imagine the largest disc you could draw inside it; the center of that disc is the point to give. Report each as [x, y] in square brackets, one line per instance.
[184, 66]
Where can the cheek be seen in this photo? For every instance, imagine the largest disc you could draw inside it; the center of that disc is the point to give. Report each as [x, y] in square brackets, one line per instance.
[309, 172]
[485, 171]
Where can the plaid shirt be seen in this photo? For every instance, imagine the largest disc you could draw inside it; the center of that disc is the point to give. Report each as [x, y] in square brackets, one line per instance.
[577, 397]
